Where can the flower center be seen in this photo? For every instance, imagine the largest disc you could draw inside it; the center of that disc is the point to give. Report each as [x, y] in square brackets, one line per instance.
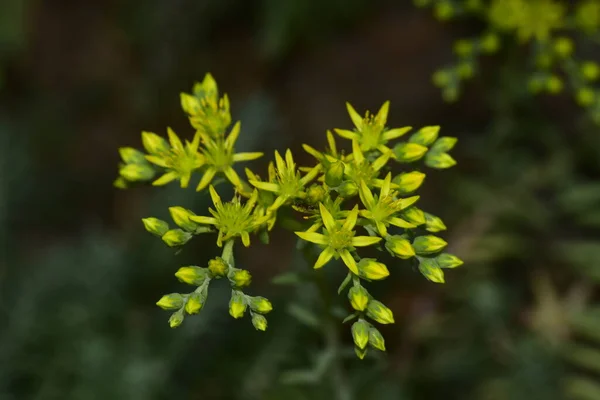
[341, 239]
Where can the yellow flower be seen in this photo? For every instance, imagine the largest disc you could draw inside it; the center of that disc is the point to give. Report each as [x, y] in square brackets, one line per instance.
[338, 239]
[358, 168]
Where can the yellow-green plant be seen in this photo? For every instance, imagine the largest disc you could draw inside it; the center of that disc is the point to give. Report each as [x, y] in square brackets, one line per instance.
[547, 28]
[351, 200]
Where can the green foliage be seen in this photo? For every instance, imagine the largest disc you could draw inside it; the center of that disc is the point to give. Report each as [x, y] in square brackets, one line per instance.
[321, 192]
[549, 28]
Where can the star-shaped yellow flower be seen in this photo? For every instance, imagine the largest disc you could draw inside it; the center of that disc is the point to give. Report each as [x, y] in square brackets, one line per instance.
[338, 239]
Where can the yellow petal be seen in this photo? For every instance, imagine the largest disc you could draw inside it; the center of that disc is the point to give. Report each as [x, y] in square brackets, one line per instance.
[327, 218]
[357, 152]
[279, 161]
[324, 257]
[331, 142]
[310, 175]
[245, 239]
[313, 237]
[362, 241]
[203, 220]
[381, 161]
[289, 159]
[214, 196]
[206, 178]
[400, 223]
[247, 156]
[382, 114]
[382, 229]
[346, 134]
[166, 178]
[395, 133]
[351, 219]
[268, 186]
[174, 140]
[233, 177]
[385, 189]
[161, 162]
[233, 135]
[313, 152]
[365, 195]
[349, 261]
[354, 116]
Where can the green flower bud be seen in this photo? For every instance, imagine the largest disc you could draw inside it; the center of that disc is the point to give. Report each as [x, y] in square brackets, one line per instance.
[360, 333]
[237, 305]
[154, 144]
[428, 244]
[441, 78]
[335, 174]
[443, 10]
[376, 339]
[433, 223]
[446, 260]
[360, 353]
[425, 136]
[239, 277]
[489, 43]
[378, 312]
[259, 322]
[554, 84]
[437, 160]
[465, 70]
[463, 47]
[192, 275]
[190, 104]
[315, 194]
[218, 267]
[371, 269]
[359, 297]
[443, 144]
[399, 246]
[347, 189]
[171, 301]
[431, 270]
[137, 172]
[129, 155]
[176, 237]
[194, 303]
[590, 70]
[176, 319]
[155, 226]
[414, 215]
[409, 152]
[585, 96]
[408, 182]
[181, 217]
[260, 305]
[563, 47]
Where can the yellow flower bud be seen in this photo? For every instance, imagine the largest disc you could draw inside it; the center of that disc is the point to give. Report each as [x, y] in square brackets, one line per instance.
[137, 172]
[154, 144]
[176, 237]
[408, 182]
[414, 215]
[315, 194]
[190, 104]
[348, 189]
[425, 136]
[585, 96]
[465, 70]
[563, 46]
[359, 297]
[218, 267]
[371, 269]
[335, 174]
[171, 301]
[433, 223]
[237, 305]
[155, 226]
[554, 84]
[590, 70]
[192, 275]
[409, 152]
[399, 246]
[439, 160]
[194, 303]
[176, 319]
[130, 155]
[376, 339]
[181, 217]
[428, 244]
[259, 322]
[378, 312]
[431, 270]
[444, 10]
[260, 305]
[360, 333]
[239, 277]
[446, 260]
[360, 353]
[444, 144]
[489, 43]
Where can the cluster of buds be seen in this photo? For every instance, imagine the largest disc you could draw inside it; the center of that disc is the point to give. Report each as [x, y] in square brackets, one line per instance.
[348, 199]
[525, 22]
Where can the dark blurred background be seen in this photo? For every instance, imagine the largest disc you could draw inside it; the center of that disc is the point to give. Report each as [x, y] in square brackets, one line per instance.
[79, 276]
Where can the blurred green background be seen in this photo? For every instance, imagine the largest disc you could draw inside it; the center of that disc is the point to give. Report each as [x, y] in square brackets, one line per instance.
[79, 276]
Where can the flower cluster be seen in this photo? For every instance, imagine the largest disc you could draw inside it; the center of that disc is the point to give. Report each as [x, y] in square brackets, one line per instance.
[349, 201]
[546, 26]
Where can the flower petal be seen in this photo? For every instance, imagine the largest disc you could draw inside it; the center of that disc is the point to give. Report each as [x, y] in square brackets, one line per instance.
[327, 218]
[289, 159]
[233, 135]
[268, 186]
[245, 239]
[233, 177]
[362, 241]
[313, 237]
[382, 229]
[279, 161]
[365, 195]
[395, 133]
[310, 175]
[247, 156]
[215, 196]
[331, 142]
[209, 174]
[324, 257]
[381, 161]
[166, 178]
[357, 152]
[351, 219]
[203, 220]
[385, 189]
[161, 162]
[356, 118]
[313, 152]
[346, 134]
[400, 223]
[349, 261]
